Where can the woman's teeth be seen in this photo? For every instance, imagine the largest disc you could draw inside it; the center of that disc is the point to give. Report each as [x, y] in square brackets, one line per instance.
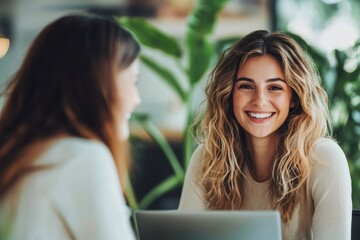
[260, 115]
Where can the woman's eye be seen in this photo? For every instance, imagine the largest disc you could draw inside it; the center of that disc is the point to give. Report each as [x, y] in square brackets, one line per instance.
[245, 86]
[275, 88]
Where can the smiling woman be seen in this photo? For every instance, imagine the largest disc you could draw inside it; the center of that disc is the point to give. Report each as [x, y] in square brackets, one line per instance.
[266, 143]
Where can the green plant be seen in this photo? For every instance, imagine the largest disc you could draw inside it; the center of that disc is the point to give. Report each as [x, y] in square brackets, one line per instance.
[199, 49]
[340, 73]
[344, 97]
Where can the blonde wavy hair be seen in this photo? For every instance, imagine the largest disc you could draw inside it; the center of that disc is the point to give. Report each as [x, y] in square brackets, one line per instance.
[225, 142]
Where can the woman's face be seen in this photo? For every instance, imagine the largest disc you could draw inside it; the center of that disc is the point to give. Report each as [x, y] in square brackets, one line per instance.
[261, 97]
[128, 96]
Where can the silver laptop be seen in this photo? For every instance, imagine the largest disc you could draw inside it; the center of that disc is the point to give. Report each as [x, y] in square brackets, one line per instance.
[207, 225]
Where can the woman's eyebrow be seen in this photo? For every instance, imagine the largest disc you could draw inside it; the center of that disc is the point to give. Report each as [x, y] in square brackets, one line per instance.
[275, 80]
[244, 79]
[251, 80]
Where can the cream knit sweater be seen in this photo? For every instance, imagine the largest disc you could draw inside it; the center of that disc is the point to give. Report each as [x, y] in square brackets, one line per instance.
[325, 208]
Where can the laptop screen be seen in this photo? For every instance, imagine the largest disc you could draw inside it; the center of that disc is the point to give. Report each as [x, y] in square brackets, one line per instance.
[207, 225]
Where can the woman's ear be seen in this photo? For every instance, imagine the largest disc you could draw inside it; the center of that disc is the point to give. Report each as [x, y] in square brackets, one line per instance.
[294, 99]
[293, 106]
[292, 103]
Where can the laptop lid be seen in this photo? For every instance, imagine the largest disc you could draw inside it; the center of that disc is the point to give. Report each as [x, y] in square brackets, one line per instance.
[207, 225]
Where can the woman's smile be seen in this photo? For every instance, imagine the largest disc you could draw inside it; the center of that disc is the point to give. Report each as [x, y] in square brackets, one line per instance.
[260, 117]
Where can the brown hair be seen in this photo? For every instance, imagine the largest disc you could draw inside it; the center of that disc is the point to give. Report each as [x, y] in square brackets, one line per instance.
[66, 84]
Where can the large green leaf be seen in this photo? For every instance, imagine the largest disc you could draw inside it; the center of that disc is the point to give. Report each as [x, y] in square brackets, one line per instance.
[151, 36]
[357, 43]
[341, 78]
[200, 57]
[200, 24]
[166, 75]
[203, 17]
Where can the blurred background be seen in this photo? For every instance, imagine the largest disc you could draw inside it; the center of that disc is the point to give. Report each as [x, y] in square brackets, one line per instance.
[189, 35]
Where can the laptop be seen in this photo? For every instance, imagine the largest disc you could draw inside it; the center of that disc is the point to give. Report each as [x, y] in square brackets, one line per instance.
[207, 225]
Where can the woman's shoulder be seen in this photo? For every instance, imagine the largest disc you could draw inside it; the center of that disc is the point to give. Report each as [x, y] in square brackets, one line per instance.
[199, 152]
[197, 157]
[74, 158]
[71, 148]
[328, 150]
[329, 159]
[200, 149]
[77, 143]
[329, 176]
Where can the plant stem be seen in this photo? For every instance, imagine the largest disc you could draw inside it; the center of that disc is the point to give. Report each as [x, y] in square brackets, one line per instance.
[163, 187]
[188, 138]
[130, 195]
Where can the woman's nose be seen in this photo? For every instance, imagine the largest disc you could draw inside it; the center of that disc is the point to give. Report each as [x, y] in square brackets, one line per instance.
[259, 99]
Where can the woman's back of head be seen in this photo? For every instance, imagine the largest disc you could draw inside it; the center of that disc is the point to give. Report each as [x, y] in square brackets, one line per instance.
[66, 84]
[68, 73]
